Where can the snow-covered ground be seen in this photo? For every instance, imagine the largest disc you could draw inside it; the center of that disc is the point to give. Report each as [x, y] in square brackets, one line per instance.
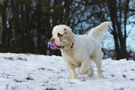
[40, 72]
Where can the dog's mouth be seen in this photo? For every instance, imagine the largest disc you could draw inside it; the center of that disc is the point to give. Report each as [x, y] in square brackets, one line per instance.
[60, 47]
[54, 46]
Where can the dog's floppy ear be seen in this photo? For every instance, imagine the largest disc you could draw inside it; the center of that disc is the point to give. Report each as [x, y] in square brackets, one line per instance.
[65, 30]
[59, 35]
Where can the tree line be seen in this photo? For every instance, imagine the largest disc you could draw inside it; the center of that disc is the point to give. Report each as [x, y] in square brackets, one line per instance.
[26, 25]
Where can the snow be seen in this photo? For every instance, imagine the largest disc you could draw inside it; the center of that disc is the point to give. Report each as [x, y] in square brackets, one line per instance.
[40, 72]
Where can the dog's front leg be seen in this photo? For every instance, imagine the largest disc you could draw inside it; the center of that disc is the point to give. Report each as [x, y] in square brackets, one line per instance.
[71, 69]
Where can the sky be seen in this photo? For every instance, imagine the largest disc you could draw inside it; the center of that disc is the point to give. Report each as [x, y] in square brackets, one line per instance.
[108, 41]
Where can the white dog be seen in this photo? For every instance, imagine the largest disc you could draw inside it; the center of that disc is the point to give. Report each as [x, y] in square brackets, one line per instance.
[80, 50]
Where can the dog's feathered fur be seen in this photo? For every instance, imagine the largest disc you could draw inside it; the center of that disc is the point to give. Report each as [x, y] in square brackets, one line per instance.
[85, 49]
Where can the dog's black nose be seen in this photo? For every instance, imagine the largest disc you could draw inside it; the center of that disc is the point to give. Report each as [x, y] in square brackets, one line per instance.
[52, 40]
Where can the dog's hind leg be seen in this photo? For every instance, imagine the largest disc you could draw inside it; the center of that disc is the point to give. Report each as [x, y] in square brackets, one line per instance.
[97, 59]
[98, 64]
[85, 67]
[90, 71]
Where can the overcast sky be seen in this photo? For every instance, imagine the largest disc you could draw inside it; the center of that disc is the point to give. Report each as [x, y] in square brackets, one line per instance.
[108, 41]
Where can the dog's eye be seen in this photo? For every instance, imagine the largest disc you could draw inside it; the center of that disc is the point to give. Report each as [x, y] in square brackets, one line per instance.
[59, 35]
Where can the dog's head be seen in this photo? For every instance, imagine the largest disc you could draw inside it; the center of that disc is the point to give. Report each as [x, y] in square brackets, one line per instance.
[62, 36]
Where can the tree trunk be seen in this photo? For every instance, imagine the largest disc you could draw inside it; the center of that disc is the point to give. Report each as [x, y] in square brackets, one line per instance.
[120, 40]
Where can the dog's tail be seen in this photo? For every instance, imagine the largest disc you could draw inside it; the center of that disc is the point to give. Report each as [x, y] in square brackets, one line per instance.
[98, 31]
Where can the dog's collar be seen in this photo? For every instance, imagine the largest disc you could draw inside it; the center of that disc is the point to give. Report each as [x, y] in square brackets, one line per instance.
[72, 45]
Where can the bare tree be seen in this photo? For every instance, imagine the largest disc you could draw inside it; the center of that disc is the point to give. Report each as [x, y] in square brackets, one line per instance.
[1, 27]
[118, 12]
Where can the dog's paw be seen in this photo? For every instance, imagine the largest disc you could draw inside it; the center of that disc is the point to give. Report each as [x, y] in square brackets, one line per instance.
[81, 72]
[72, 77]
[90, 72]
[100, 76]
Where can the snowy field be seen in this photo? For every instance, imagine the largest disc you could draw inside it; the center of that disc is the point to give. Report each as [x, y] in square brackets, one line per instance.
[39, 72]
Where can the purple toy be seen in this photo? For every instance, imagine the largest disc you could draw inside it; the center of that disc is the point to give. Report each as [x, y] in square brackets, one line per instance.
[53, 46]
